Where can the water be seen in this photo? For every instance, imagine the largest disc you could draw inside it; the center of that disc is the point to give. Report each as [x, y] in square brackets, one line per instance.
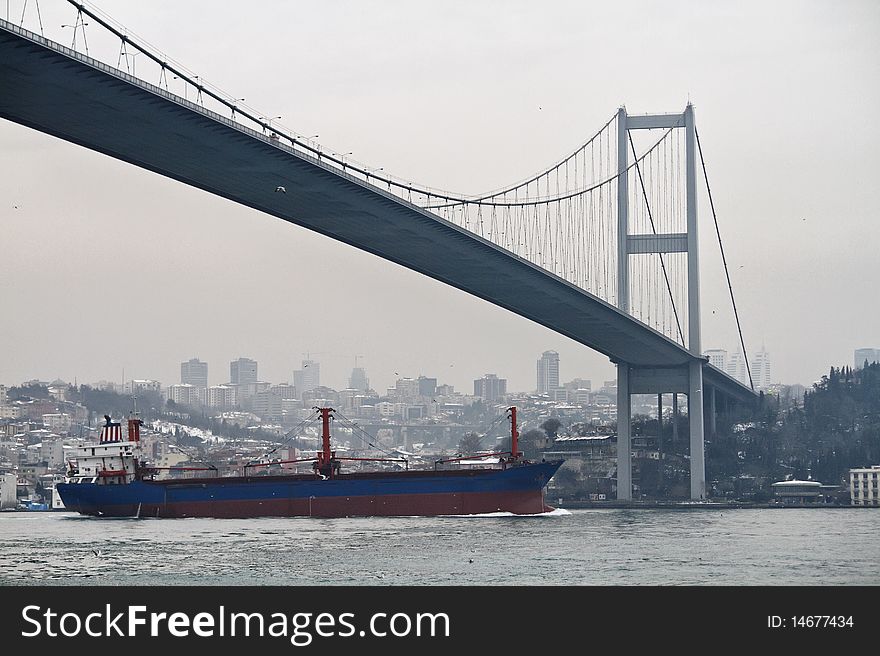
[580, 547]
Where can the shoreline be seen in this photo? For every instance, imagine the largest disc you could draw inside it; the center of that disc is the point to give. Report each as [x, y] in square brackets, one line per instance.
[695, 505]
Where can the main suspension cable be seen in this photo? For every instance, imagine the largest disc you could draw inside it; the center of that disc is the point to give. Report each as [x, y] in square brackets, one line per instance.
[724, 260]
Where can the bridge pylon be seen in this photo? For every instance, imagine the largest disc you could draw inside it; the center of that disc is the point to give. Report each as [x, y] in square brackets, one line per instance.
[646, 380]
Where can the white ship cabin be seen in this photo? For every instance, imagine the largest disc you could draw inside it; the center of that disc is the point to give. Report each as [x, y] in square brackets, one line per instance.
[113, 461]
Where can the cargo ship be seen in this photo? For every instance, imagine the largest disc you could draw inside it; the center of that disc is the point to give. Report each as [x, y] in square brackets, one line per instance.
[111, 479]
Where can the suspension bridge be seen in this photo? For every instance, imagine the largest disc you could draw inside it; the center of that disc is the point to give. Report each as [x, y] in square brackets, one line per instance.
[601, 247]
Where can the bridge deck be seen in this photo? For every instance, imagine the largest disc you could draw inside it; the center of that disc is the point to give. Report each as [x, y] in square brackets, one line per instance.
[51, 89]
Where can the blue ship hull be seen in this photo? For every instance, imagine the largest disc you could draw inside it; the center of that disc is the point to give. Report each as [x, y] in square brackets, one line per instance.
[517, 489]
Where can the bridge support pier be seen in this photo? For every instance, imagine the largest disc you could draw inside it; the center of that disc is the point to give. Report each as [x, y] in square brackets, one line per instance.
[624, 435]
[674, 418]
[712, 412]
[695, 423]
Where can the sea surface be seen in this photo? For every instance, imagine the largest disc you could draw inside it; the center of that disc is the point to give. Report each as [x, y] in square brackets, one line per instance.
[578, 547]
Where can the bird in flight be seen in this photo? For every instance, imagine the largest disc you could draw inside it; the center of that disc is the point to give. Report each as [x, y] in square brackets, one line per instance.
[281, 189]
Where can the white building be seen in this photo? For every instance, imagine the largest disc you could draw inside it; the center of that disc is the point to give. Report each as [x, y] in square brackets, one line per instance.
[307, 378]
[736, 367]
[137, 386]
[717, 358]
[8, 487]
[221, 396]
[194, 372]
[863, 485]
[760, 367]
[548, 372]
[385, 409]
[185, 394]
[58, 422]
[407, 389]
[862, 355]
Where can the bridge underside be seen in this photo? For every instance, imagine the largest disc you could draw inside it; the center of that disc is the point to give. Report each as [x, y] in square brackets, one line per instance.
[81, 101]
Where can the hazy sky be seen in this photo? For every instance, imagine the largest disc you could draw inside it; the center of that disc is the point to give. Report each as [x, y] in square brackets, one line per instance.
[465, 96]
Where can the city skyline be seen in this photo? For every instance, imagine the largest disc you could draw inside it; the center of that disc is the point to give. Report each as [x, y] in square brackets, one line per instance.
[184, 240]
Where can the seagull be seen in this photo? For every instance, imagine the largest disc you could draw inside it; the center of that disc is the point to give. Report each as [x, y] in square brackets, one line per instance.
[97, 553]
[281, 189]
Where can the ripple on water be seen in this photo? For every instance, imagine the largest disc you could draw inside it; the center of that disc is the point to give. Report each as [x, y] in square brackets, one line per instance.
[665, 547]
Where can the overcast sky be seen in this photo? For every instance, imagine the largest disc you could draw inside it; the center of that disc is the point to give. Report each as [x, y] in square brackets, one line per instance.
[465, 96]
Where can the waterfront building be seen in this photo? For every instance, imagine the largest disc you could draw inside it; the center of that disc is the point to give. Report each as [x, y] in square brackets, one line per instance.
[797, 492]
[548, 372]
[863, 486]
[243, 370]
[194, 372]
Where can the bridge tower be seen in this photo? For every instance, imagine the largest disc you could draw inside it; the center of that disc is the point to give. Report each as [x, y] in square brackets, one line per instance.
[645, 380]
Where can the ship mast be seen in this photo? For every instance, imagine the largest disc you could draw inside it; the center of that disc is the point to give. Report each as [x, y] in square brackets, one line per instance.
[514, 434]
[326, 464]
[325, 434]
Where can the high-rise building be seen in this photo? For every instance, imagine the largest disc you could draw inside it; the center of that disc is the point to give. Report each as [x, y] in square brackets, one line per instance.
[548, 372]
[359, 380]
[736, 367]
[862, 355]
[427, 386]
[185, 394]
[490, 387]
[717, 358]
[307, 378]
[221, 396]
[407, 389]
[760, 368]
[194, 372]
[242, 371]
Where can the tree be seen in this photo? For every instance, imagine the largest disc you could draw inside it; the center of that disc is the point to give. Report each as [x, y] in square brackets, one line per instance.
[551, 426]
[469, 443]
[528, 442]
[568, 481]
